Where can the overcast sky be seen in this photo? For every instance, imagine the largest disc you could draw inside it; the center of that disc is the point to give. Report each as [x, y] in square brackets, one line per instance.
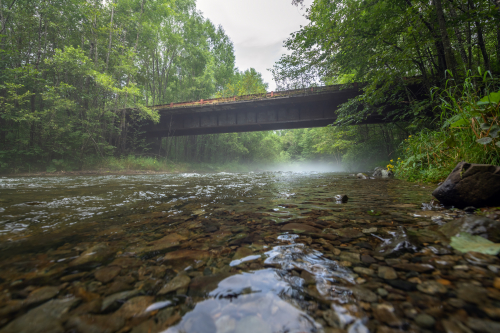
[257, 29]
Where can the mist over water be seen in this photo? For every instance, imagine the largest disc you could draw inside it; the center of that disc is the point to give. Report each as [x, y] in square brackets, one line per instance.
[306, 166]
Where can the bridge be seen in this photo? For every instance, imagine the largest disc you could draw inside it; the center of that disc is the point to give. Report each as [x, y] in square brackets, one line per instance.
[300, 108]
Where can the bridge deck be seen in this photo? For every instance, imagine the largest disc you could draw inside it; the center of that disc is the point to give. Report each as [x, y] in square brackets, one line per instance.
[312, 107]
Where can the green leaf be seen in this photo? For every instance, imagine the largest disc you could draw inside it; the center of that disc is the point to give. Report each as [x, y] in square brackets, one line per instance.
[485, 140]
[494, 132]
[485, 126]
[498, 143]
[492, 98]
[466, 242]
[459, 123]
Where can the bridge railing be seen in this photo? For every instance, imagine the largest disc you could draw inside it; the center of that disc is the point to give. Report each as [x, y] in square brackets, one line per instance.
[262, 96]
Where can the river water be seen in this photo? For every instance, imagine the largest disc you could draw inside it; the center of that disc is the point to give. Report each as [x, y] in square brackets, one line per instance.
[221, 252]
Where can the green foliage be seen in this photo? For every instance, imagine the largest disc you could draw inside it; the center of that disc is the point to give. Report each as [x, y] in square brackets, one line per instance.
[469, 132]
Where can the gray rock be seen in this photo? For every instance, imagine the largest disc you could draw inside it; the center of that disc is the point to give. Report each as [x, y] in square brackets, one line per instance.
[432, 287]
[362, 176]
[96, 323]
[387, 273]
[363, 270]
[469, 184]
[381, 172]
[341, 198]
[474, 225]
[96, 254]
[178, 282]
[43, 319]
[364, 294]
[350, 256]
[41, 295]
[108, 301]
[481, 325]
[424, 320]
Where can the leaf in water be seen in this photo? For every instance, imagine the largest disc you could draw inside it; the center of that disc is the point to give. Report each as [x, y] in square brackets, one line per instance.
[466, 242]
[485, 140]
[492, 98]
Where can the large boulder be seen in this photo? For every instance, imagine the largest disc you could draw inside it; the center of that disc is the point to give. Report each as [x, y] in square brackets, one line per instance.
[469, 184]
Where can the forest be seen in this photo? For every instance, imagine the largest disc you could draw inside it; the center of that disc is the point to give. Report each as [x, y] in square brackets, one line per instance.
[77, 77]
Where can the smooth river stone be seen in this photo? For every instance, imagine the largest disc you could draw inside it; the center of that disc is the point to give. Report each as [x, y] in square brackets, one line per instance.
[242, 252]
[107, 274]
[89, 323]
[421, 268]
[178, 282]
[164, 243]
[97, 253]
[348, 233]
[187, 255]
[41, 295]
[300, 227]
[42, 319]
[135, 307]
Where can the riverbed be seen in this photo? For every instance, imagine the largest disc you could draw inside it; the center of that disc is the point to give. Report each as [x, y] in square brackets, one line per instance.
[233, 253]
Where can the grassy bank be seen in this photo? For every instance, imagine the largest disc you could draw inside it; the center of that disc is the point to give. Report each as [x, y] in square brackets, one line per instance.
[467, 130]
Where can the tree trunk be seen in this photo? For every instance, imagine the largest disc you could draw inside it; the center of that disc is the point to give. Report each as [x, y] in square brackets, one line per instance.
[448, 51]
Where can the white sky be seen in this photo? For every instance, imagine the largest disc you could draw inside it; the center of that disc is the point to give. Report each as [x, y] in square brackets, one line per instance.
[257, 29]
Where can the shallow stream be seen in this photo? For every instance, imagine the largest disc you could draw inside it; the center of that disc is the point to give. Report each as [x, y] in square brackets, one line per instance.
[232, 253]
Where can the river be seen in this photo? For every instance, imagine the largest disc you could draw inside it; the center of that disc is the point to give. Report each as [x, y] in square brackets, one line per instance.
[222, 252]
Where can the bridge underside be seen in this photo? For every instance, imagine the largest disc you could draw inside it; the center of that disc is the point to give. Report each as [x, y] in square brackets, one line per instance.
[254, 115]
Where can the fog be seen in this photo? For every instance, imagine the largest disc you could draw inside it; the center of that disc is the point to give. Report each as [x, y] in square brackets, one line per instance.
[305, 166]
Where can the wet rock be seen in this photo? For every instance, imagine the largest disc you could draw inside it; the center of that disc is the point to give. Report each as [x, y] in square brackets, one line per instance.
[300, 227]
[468, 184]
[89, 323]
[385, 314]
[309, 278]
[421, 268]
[400, 242]
[135, 307]
[425, 321]
[159, 323]
[382, 292]
[387, 273]
[381, 172]
[482, 325]
[474, 225]
[186, 255]
[118, 286]
[362, 176]
[369, 230]
[350, 256]
[125, 262]
[348, 233]
[454, 326]
[43, 319]
[402, 284]
[96, 254]
[364, 294]
[41, 295]
[480, 259]
[367, 259]
[162, 244]
[365, 271]
[179, 282]
[107, 274]
[202, 285]
[471, 293]
[72, 277]
[11, 307]
[94, 306]
[341, 198]
[432, 287]
[242, 252]
[110, 300]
